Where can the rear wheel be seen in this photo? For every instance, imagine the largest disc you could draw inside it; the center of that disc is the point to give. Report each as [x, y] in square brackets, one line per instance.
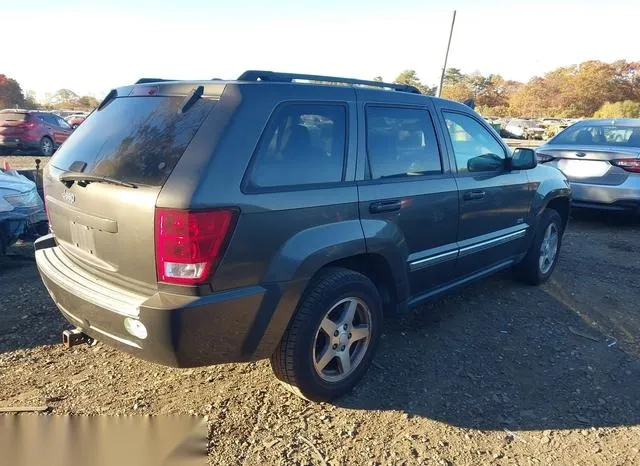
[46, 146]
[542, 257]
[332, 337]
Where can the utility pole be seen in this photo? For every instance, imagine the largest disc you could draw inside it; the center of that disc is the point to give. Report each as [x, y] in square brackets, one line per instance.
[446, 57]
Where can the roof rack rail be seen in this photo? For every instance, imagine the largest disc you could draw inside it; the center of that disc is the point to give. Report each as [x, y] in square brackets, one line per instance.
[272, 76]
[152, 80]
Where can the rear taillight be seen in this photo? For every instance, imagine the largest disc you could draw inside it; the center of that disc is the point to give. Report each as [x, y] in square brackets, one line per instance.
[544, 158]
[630, 165]
[189, 245]
[27, 125]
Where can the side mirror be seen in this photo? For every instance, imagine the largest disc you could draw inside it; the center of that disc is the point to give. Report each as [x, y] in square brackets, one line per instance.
[523, 158]
[485, 163]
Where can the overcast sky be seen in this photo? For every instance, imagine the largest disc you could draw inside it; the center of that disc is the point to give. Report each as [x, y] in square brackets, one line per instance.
[92, 46]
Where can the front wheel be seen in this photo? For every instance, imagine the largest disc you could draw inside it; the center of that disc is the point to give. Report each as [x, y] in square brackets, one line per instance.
[542, 257]
[332, 337]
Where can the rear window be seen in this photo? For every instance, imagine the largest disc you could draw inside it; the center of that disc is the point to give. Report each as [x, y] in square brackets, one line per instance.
[10, 116]
[134, 139]
[600, 135]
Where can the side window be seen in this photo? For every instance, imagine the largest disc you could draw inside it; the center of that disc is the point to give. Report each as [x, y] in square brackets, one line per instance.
[303, 144]
[401, 142]
[62, 124]
[45, 117]
[475, 149]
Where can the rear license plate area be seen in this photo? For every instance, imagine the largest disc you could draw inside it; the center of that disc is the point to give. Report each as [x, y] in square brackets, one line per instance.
[584, 168]
[82, 237]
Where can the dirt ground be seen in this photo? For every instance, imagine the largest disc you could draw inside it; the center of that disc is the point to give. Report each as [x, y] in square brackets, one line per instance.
[497, 373]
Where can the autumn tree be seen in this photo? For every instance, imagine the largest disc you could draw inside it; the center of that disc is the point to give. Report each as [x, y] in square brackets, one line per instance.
[491, 93]
[577, 90]
[11, 95]
[62, 98]
[624, 109]
[66, 99]
[87, 102]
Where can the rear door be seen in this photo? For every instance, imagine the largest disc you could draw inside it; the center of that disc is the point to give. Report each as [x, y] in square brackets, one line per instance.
[50, 126]
[407, 193]
[62, 130]
[105, 228]
[494, 202]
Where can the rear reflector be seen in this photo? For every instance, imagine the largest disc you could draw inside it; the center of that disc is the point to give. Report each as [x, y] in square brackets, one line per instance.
[190, 244]
[630, 165]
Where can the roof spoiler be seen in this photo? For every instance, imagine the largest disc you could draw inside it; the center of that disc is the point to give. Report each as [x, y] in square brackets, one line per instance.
[152, 80]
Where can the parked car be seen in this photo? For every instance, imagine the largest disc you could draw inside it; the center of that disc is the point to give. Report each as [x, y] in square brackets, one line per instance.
[197, 223]
[524, 129]
[554, 128]
[30, 130]
[601, 158]
[21, 208]
[75, 120]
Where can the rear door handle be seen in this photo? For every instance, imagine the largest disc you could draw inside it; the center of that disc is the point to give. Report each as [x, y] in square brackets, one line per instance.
[473, 195]
[385, 206]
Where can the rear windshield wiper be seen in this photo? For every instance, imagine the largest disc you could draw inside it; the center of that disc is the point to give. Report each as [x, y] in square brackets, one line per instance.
[85, 179]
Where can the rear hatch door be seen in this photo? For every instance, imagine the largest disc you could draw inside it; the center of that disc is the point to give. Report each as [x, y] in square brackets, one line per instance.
[133, 143]
[12, 124]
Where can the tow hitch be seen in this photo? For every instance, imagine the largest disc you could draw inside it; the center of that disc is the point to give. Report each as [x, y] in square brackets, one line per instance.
[76, 337]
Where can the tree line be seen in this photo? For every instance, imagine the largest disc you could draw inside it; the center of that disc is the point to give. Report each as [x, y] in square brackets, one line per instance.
[12, 96]
[592, 88]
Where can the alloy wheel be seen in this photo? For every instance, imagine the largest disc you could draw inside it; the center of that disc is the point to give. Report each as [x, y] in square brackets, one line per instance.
[342, 339]
[549, 248]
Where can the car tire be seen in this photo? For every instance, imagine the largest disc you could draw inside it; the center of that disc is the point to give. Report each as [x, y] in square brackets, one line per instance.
[542, 257]
[46, 146]
[318, 366]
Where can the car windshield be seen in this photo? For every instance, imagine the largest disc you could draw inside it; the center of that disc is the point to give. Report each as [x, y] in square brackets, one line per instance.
[600, 135]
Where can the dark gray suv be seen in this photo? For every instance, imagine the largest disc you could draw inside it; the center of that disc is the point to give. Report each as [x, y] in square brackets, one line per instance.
[196, 223]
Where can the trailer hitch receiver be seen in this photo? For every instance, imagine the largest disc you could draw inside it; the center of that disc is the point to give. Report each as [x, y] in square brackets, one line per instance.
[76, 337]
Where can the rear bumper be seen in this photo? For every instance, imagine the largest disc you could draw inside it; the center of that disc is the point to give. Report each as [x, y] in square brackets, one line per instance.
[183, 331]
[621, 197]
[14, 143]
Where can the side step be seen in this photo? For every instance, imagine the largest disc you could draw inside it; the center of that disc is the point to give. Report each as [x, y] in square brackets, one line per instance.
[76, 337]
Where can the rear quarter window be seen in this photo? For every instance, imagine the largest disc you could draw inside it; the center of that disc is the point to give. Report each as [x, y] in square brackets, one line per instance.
[134, 139]
[303, 144]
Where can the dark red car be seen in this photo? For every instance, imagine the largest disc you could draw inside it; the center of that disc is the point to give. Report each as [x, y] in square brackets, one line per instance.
[31, 130]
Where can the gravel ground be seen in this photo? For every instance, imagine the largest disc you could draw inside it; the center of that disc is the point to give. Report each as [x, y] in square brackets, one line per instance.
[497, 373]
